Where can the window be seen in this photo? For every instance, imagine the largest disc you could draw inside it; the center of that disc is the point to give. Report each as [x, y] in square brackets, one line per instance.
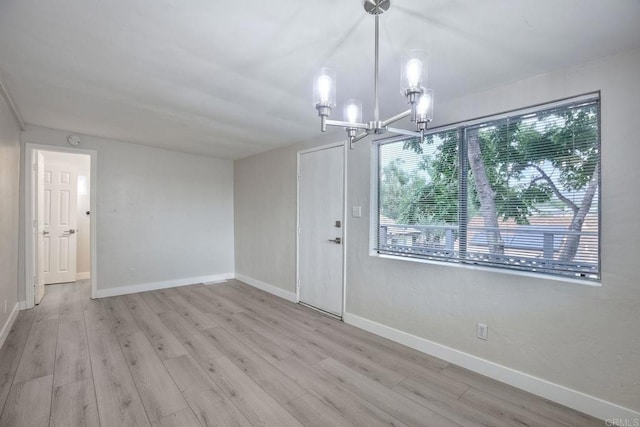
[519, 191]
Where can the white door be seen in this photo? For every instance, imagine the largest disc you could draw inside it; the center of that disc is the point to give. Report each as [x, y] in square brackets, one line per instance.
[320, 239]
[60, 221]
[40, 229]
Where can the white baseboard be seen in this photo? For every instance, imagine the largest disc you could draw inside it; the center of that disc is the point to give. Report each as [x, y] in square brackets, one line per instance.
[579, 401]
[279, 292]
[85, 275]
[9, 324]
[143, 287]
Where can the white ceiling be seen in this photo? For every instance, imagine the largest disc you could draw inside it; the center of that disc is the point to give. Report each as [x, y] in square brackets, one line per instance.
[233, 78]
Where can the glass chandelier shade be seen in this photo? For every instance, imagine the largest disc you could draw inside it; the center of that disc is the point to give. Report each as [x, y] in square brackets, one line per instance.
[324, 88]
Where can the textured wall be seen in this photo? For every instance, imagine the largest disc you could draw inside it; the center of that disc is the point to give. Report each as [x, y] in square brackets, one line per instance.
[166, 215]
[9, 202]
[265, 217]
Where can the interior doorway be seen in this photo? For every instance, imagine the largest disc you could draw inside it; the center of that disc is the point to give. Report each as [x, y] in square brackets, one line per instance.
[60, 216]
[321, 228]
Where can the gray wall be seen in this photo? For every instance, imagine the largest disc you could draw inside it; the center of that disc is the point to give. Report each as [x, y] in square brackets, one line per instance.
[578, 336]
[166, 214]
[265, 238]
[9, 175]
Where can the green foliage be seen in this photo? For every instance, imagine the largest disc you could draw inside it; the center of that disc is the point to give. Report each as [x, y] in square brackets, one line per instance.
[530, 164]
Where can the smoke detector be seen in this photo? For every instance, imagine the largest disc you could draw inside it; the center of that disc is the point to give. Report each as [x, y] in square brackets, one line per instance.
[73, 140]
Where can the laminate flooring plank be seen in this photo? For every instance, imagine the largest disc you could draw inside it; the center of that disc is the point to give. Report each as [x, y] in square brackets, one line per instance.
[224, 312]
[411, 356]
[245, 295]
[182, 418]
[207, 401]
[49, 307]
[246, 298]
[292, 347]
[445, 404]
[72, 362]
[511, 414]
[162, 339]
[288, 328]
[157, 304]
[350, 406]
[196, 344]
[299, 310]
[271, 379]
[71, 302]
[28, 404]
[120, 317]
[267, 314]
[206, 302]
[266, 348]
[358, 362]
[209, 301]
[392, 360]
[311, 412]
[522, 398]
[11, 352]
[186, 310]
[74, 404]
[206, 292]
[160, 395]
[118, 400]
[39, 351]
[252, 401]
[393, 403]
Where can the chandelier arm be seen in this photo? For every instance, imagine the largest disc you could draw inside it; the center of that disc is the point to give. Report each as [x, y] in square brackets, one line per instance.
[347, 124]
[353, 140]
[396, 118]
[405, 132]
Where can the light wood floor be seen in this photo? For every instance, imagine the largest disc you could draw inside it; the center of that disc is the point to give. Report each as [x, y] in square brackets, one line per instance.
[231, 355]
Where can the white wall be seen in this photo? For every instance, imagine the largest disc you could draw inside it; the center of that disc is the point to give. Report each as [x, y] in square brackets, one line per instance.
[9, 201]
[81, 164]
[581, 337]
[265, 215]
[162, 216]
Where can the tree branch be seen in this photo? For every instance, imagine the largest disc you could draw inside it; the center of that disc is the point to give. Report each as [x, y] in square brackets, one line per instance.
[555, 189]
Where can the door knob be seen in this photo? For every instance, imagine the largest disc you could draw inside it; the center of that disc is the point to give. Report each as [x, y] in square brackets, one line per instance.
[44, 233]
[72, 231]
[337, 240]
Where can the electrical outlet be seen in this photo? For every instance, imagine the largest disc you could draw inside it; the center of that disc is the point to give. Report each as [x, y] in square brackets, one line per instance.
[132, 272]
[356, 211]
[483, 331]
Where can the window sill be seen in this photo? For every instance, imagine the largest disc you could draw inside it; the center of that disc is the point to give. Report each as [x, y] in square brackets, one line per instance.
[489, 269]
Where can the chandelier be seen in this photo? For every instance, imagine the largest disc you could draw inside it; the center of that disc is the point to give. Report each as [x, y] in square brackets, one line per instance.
[413, 77]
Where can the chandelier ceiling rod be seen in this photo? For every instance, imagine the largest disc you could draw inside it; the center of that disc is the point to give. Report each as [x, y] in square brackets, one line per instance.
[376, 109]
[413, 76]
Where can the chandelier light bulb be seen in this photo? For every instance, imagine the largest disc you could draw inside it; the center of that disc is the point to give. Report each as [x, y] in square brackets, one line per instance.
[414, 72]
[424, 108]
[353, 111]
[324, 88]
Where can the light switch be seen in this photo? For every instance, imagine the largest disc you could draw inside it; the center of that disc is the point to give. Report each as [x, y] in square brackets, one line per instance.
[356, 211]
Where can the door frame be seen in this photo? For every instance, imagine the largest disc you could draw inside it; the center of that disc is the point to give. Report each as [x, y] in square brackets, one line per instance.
[344, 218]
[30, 246]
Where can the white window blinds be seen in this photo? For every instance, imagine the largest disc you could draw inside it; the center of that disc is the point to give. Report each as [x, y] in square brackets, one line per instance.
[518, 192]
